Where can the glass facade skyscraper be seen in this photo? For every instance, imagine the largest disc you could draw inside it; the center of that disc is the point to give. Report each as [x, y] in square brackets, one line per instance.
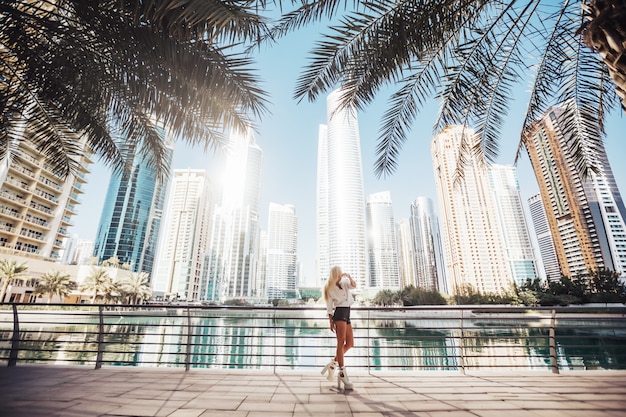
[426, 245]
[131, 216]
[281, 254]
[340, 196]
[382, 242]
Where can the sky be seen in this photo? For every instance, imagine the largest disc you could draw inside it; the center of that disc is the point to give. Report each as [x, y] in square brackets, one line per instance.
[288, 137]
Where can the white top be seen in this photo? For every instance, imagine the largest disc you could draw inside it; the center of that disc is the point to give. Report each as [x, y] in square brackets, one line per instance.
[339, 297]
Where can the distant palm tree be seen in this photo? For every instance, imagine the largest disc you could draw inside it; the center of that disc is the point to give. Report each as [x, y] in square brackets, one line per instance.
[469, 54]
[98, 282]
[9, 271]
[136, 287]
[54, 283]
[109, 68]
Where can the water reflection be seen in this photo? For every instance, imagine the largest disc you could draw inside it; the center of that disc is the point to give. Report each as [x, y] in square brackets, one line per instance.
[268, 339]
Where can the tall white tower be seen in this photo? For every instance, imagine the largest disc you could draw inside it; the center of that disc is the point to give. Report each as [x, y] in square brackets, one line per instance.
[341, 202]
[185, 237]
[473, 245]
[383, 247]
[281, 255]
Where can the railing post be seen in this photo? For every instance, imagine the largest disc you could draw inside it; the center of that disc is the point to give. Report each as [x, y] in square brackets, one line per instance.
[462, 344]
[188, 351]
[100, 338]
[369, 344]
[15, 338]
[553, 358]
[275, 349]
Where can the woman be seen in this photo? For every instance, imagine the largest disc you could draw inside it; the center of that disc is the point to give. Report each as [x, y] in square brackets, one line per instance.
[338, 299]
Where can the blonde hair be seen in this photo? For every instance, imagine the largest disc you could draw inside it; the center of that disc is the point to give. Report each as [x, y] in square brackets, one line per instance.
[333, 279]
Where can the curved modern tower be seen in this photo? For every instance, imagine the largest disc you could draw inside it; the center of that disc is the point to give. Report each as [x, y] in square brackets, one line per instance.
[341, 201]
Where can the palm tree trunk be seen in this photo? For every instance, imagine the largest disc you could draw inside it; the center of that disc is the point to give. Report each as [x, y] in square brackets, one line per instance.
[605, 33]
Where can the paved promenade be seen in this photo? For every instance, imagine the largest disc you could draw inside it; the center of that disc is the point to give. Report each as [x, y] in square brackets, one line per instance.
[72, 391]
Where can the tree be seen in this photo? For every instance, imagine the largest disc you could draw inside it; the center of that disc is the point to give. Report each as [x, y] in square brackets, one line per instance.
[107, 68]
[136, 287]
[9, 271]
[54, 282]
[469, 55]
[98, 282]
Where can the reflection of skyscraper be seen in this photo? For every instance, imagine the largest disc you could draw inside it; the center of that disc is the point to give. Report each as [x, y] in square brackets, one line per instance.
[586, 215]
[131, 216]
[231, 262]
[281, 258]
[474, 248]
[426, 242]
[382, 242]
[340, 199]
[185, 236]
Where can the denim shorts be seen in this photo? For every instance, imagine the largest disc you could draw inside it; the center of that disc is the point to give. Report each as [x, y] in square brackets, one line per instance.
[342, 314]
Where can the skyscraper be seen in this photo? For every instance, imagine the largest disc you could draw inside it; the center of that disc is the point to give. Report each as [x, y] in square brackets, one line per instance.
[382, 242]
[340, 197]
[585, 215]
[406, 257]
[473, 244]
[185, 236]
[281, 255]
[232, 258]
[131, 216]
[544, 238]
[426, 246]
[37, 202]
[513, 226]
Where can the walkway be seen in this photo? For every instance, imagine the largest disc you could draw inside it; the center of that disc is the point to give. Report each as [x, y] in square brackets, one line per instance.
[72, 391]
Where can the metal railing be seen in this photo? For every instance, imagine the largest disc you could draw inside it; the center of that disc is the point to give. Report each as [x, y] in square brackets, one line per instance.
[417, 338]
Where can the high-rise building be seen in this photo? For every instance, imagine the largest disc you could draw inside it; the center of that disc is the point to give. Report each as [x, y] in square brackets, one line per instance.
[426, 246]
[585, 214]
[513, 225]
[185, 236]
[281, 255]
[406, 256]
[340, 196]
[544, 238]
[131, 216]
[473, 245]
[232, 259]
[37, 202]
[382, 242]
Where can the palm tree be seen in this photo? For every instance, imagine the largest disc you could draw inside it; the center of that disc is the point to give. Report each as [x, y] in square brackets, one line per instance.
[136, 287]
[469, 54]
[9, 271]
[98, 282]
[54, 282]
[107, 68]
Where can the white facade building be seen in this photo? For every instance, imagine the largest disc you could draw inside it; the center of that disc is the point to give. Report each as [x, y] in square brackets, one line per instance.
[281, 254]
[544, 238]
[185, 236]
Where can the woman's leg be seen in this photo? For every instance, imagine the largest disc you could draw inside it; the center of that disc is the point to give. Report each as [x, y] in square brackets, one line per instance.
[349, 339]
[340, 331]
